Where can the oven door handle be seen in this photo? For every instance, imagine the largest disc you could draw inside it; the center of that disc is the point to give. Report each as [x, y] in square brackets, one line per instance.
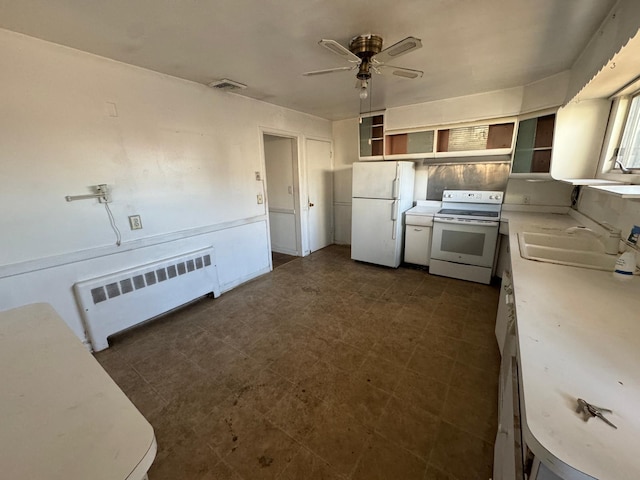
[475, 223]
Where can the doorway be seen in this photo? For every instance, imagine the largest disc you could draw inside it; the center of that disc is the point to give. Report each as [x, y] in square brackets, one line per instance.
[281, 185]
[320, 188]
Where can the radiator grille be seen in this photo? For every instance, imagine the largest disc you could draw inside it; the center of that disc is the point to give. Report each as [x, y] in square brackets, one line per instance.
[115, 302]
[149, 278]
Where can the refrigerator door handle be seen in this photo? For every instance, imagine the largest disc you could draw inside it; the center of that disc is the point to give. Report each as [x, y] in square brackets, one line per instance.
[394, 188]
[394, 217]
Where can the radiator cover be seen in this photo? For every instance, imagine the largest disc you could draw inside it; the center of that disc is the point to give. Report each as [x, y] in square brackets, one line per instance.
[117, 301]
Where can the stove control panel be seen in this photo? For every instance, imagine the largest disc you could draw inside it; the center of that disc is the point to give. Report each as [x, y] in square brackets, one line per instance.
[472, 196]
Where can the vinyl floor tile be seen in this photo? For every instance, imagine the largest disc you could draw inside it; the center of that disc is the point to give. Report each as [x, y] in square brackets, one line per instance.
[324, 369]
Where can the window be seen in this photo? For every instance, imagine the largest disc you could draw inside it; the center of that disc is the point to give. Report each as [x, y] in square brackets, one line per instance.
[627, 155]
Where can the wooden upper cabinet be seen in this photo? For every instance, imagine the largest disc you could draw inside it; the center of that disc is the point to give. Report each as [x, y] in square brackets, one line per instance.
[455, 141]
[476, 138]
[534, 145]
[418, 144]
[372, 137]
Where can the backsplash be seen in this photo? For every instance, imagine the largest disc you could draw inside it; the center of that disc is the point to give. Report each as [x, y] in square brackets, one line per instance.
[602, 207]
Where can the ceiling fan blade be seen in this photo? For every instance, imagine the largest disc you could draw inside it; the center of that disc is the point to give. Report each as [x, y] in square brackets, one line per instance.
[398, 71]
[329, 70]
[403, 47]
[338, 49]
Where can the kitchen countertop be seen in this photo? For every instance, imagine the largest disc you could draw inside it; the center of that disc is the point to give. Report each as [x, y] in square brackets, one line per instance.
[62, 416]
[578, 337]
[425, 207]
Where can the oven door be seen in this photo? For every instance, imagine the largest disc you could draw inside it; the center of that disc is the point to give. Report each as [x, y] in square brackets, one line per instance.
[466, 242]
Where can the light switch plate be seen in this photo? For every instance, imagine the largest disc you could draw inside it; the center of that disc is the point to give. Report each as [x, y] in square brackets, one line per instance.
[135, 222]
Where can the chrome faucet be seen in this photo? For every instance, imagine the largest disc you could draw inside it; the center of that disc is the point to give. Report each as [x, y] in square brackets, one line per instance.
[610, 239]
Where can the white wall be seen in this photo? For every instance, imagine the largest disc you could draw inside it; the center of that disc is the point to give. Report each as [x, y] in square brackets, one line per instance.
[500, 103]
[535, 192]
[178, 153]
[278, 154]
[602, 207]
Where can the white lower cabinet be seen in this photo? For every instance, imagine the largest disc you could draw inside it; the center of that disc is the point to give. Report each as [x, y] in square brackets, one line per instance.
[512, 458]
[417, 244]
[508, 459]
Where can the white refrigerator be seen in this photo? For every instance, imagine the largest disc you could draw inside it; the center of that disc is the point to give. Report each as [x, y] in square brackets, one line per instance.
[382, 192]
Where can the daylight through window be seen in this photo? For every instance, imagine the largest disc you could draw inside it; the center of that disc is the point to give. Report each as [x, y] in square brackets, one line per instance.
[628, 153]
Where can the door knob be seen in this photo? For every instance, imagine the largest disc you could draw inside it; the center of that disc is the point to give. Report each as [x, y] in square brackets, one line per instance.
[311, 204]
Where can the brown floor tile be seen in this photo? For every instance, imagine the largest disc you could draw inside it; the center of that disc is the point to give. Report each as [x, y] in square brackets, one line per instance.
[462, 454]
[188, 457]
[381, 373]
[476, 415]
[293, 365]
[308, 466]
[264, 453]
[220, 471]
[297, 413]
[409, 426]
[363, 401]
[479, 382]
[435, 474]
[325, 368]
[439, 344]
[262, 391]
[383, 460]
[344, 356]
[394, 350]
[339, 439]
[417, 389]
[485, 357]
[431, 365]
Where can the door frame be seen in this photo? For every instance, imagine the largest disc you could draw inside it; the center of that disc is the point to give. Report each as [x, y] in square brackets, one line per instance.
[297, 191]
[306, 202]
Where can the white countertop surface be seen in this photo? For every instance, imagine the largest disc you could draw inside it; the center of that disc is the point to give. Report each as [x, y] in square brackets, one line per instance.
[425, 207]
[578, 337]
[61, 415]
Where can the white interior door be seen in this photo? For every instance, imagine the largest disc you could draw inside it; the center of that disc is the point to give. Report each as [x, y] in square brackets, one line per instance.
[280, 157]
[320, 188]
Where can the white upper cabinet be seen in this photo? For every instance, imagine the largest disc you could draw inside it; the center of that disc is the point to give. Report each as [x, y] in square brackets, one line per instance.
[578, 138]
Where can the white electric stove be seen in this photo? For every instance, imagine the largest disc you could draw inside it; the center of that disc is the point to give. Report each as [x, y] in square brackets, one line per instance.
[465, 233]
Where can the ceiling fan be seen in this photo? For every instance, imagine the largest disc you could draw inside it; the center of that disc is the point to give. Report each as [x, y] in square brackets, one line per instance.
[365, 54]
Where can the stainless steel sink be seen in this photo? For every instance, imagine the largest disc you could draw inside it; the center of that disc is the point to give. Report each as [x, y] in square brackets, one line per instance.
[565, 249]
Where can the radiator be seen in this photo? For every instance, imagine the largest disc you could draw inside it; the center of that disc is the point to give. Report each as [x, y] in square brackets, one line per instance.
[112, 303]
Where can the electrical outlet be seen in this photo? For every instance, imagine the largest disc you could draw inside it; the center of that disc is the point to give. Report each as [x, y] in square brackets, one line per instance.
[260, 199]
[258, 177]
[526, 199]
[290, 190]
[135, 222]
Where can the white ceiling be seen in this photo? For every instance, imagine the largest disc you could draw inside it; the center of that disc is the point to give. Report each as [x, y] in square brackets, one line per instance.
[469, 46]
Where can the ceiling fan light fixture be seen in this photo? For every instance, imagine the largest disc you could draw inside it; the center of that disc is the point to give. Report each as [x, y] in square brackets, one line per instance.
[400, 49]
[364, 92]
[405, 74]
[335, 49]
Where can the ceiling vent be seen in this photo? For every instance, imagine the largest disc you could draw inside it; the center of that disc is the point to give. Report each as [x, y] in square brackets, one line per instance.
[226, 84]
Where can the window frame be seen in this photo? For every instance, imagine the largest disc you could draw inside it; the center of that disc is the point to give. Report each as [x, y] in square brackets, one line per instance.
[607, 169]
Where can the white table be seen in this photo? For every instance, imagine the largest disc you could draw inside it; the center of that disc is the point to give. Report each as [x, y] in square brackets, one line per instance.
[61, 415]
